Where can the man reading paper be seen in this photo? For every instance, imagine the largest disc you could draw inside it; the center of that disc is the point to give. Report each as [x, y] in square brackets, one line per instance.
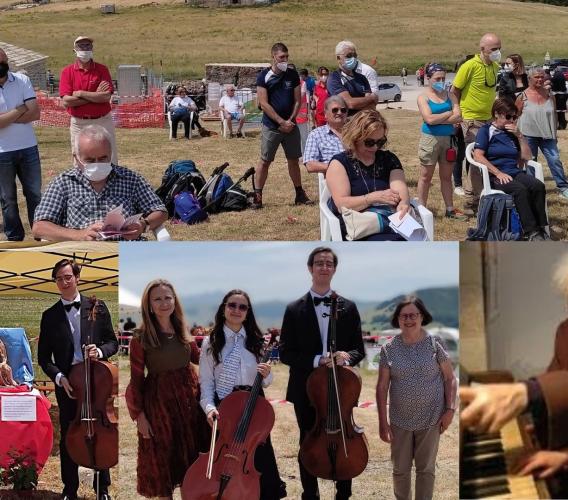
[77, 201]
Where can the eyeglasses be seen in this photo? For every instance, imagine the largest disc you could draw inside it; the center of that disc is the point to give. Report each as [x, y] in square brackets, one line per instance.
[323, 263]
[411, 316]
[369, 143]
[66, 278]
[336, 111]
[511, 117]
[494, 77]
[235, 306]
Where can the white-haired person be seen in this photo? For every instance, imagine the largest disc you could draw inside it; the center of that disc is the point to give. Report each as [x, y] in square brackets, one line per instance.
[348, 83]
[75, 203]
[232, 110]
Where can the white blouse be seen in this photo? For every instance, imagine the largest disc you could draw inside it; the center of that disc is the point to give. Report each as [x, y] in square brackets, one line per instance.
[209, 372]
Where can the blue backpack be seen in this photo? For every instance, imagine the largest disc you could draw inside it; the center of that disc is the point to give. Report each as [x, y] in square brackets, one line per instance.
[188, 209]
[497, 219]
[216, 191]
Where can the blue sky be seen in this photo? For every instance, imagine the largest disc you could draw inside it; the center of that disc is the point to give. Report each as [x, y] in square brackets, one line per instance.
[277, 270]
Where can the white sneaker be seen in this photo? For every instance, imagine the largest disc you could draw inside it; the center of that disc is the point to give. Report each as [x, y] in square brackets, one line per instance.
[459, 191]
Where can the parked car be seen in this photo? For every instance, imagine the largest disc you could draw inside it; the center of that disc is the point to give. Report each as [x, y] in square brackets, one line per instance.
[564, 70]
[389, 92]
[558, 62]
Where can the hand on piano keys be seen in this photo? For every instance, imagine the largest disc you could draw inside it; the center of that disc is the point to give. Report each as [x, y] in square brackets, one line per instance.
[543, 463]
[488, 407]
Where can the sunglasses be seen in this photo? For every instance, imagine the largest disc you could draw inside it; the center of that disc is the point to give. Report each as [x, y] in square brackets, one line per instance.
[235, 306]
[335, 111]
[511, 117]
[369, 143]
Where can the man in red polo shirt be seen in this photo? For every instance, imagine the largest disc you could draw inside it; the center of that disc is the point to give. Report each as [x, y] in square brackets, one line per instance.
[86, 88]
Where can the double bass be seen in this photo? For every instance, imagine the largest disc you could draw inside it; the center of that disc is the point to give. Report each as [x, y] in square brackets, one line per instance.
[92, 437]
[227, 471]
[336, 448]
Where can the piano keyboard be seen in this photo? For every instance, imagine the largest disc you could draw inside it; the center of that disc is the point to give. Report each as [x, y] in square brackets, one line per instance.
[487, 461]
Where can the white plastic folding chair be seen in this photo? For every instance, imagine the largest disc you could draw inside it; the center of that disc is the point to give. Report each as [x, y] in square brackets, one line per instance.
[533, 168]
[330, 230]
[235, 123]
[180, 123]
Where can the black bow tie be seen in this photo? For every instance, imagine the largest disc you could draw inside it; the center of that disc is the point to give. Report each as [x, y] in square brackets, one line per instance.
[319, 300]
[76, 304]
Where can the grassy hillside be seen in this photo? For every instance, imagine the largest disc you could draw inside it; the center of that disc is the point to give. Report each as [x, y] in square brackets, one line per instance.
[398, 32]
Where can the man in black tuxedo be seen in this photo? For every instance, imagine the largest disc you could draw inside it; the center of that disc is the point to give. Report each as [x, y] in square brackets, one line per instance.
[302, 339]
[63, 333]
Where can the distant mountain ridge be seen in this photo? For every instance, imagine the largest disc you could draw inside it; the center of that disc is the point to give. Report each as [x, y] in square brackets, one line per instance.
[442, 302]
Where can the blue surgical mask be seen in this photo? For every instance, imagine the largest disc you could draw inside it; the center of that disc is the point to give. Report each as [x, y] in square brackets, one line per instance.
[350, 63]
[439, 86]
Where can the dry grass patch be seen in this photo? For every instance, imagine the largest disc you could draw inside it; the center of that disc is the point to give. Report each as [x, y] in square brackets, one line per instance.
[374, 483]
[149, 151]
[398, 32]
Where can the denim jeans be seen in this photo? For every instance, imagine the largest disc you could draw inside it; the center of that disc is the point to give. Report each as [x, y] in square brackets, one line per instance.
[25, 165]
[549, 147]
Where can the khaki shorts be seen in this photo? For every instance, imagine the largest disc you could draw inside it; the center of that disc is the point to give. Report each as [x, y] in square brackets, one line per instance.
[270, 139]
[432, 148]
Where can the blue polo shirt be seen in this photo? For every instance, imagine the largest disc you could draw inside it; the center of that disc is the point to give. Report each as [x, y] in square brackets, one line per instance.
[357, 85]
[501, 148]
[15, 91]
[280, 90]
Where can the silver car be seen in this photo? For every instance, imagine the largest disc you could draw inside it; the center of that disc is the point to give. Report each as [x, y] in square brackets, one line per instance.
[389, 92]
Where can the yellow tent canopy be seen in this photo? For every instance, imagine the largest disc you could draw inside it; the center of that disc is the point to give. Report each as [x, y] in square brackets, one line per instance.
[29, 273]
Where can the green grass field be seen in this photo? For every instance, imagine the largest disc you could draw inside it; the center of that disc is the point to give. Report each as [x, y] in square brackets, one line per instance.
[398, 32]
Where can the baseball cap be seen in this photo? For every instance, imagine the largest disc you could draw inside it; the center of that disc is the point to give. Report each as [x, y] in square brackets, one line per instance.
[79, 38]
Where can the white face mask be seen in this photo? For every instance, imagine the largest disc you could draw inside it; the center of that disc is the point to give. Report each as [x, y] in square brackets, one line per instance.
[84, 55]
[508, 67]
[97, 171]
[323, 78]
[282, 66]
[495, 56]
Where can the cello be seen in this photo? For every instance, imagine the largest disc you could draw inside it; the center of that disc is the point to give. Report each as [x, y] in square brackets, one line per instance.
[227, 471]
[336, 448]
[92, 437]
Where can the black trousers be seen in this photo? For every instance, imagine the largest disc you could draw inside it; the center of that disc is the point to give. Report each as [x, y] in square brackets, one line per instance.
[306, 416]
[178, 117]
[69, 469]
[529, 195]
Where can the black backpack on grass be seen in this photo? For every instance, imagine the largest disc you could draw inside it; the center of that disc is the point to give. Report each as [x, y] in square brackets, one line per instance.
[497, 219]
[181, 175]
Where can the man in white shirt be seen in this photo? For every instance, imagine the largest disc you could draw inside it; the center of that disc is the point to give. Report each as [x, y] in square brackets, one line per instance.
[371, 75]
[232, 110]
[304, 346]
[19, 155]
[62, 339]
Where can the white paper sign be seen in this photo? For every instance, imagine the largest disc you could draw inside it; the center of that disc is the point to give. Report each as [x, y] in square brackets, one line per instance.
[19, 409]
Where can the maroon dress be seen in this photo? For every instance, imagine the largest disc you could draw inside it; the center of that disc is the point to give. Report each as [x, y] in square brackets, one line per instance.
[169, 396]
